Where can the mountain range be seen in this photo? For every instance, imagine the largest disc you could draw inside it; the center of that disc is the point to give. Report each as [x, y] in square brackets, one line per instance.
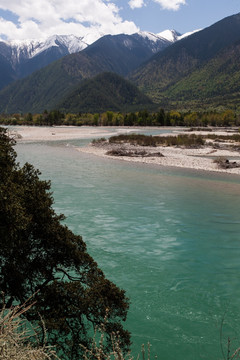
[19, 59]
[191, 71]
[45, 88]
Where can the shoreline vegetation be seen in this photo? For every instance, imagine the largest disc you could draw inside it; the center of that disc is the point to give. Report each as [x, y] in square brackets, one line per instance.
[209, 149]
[213, 118]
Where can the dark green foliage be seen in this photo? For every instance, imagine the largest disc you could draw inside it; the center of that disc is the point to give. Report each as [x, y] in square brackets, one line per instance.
[39, 254]
[107, 91]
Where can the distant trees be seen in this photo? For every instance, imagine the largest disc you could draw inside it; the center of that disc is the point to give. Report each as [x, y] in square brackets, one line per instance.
[38, 254]
[140, 118]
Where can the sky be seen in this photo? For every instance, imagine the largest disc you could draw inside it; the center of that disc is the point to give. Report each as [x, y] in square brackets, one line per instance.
[34, 19]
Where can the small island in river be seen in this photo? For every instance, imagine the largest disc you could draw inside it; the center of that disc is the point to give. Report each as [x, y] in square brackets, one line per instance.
[202, 149]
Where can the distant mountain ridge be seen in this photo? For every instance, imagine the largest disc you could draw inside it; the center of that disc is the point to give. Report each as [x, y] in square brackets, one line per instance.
[19, 59]
[17, 50]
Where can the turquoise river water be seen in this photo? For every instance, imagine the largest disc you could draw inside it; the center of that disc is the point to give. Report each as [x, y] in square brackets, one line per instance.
[170, 237]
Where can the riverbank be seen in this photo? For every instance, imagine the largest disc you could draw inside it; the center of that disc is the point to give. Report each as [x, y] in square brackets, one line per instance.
[57, 133]
[201, 158]
[221, 154]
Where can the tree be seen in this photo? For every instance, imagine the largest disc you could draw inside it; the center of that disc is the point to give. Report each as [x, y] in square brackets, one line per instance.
[161, 117]
[228, 118]
[38, 254]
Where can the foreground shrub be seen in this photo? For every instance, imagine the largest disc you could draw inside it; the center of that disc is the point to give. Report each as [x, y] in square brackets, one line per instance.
[38, 253]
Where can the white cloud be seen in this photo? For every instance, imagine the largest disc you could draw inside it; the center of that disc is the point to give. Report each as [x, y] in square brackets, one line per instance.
[171, 4]
[136, 4]
[165, 4]
[42, 18]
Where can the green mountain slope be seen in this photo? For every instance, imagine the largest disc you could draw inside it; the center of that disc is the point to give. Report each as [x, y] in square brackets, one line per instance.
[182, 71]
[46, 87]
[216, 82]
[106, 91]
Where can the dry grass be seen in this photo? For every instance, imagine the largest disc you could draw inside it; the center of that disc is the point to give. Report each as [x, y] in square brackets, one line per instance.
[184, 140]
[19, 341]
[97, 350]
[15, 344]
[16, 337]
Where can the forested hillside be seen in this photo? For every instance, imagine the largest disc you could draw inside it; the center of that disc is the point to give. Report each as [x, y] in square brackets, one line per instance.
[107, 91]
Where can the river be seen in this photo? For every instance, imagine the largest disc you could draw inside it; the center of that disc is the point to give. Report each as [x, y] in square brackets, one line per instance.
[169, 237]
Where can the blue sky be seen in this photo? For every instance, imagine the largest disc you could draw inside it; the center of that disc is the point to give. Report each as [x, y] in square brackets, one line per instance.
[27, 19]
[194, 14]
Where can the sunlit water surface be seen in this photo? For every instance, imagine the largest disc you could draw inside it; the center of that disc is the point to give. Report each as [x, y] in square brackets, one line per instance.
[169, 237]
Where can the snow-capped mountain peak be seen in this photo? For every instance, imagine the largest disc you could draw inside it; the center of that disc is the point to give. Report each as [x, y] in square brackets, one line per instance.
[27, 49]
[149, 35]
[173, 35]
[170, 35]
[21, 50]
[188, 34]
[72, 42]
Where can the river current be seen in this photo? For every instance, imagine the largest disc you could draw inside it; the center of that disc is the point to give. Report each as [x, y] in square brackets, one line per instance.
[169, 237]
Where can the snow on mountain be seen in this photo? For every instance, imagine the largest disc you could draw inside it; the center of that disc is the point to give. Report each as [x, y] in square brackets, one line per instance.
[151, 36]
[153, 41]
[170, 35]
[20, 50]
[27, 49]
[167, 35]
[188, 34]
[173, 35]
